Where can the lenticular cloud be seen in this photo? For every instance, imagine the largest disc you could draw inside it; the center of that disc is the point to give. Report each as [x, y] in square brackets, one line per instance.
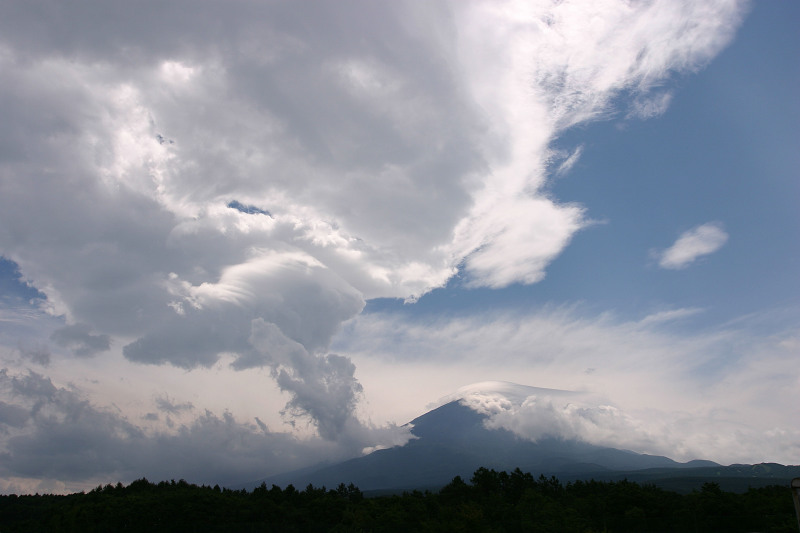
[186, 186]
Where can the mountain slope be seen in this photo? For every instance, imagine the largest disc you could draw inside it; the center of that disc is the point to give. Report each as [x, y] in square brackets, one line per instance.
[452, 440]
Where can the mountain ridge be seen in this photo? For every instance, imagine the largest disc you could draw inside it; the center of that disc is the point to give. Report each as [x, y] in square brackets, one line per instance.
[452, 440]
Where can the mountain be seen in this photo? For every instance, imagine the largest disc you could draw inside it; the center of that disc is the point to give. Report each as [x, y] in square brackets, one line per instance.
[453, 440]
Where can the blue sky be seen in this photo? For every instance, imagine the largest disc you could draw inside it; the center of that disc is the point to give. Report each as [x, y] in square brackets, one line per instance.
[297, 228]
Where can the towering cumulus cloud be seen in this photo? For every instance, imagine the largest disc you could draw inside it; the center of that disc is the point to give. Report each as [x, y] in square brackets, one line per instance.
[191, 179]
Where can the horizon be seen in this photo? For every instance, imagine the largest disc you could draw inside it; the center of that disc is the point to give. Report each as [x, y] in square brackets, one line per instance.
[244, 238]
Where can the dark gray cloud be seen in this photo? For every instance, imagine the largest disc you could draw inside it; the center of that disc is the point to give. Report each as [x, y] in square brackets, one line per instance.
[64, 436]
[323, 387]
[326, 390]
[31, 386]
[166, 405]
[35, 352]
[12, 415]
[79, 339]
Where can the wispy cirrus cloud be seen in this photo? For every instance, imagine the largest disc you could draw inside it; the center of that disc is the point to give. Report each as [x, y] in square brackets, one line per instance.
[569, 162]
[692, 245]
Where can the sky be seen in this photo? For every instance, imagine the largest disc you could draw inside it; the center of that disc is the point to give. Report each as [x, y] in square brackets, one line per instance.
[245, 237]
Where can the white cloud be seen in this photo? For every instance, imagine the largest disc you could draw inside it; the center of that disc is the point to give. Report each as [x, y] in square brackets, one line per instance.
[406, 173]
[693, 244]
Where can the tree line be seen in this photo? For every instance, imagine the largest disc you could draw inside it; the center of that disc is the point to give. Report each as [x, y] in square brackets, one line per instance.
[490, 501]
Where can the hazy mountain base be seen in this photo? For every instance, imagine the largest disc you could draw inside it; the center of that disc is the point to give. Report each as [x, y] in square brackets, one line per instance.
[734, 478]
[453, 441]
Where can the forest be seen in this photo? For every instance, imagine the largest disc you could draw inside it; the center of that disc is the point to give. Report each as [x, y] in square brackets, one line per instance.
[491, 501]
